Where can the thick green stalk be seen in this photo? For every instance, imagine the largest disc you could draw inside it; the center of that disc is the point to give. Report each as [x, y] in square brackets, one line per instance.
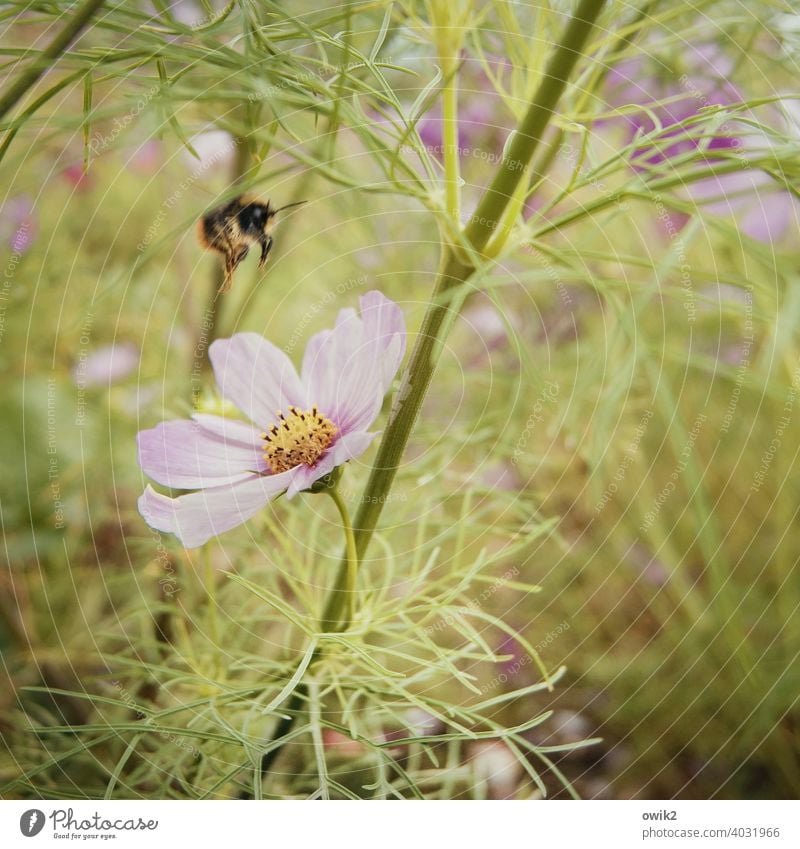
[419, 372]
[57, 46]
[456, 269]
[451, 153]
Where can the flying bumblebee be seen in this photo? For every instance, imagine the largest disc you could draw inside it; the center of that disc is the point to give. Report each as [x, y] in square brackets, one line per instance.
[233, 228]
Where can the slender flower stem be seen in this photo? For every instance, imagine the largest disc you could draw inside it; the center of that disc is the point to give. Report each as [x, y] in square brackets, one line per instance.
[28, 78]
[455, 270]
[337, 619]
[351, 558]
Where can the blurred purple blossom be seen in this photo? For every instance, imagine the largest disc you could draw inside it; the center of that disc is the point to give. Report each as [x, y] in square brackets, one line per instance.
[19, 223]
[147, 157]
[215, 149]
[673, 95]
[511, 648]
[77, 176]
[484, 321]
[106, 365]
[476, 125]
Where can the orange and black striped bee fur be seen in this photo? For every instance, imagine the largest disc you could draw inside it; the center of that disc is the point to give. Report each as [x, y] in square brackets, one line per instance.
[233, 228]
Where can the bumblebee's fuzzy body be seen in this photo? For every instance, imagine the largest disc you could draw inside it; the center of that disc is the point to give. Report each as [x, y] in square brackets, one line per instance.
[233, 228]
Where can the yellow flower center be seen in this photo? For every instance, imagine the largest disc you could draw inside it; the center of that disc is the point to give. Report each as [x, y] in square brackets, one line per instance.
[301, 437]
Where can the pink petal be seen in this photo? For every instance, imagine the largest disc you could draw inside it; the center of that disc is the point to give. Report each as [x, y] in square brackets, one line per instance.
[348, 369]
[326, 352]
[194, 454]
[304, 477]
[384, 333]
[257, 376]
[377, 360]
[199, 516]
[231, 430]
[351, 445]
[336, 371]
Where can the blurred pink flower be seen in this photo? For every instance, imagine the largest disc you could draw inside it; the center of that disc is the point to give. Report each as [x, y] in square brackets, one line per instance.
[77, 177]
[146, 158]
[484, 321]
[670, 98]
[19, 223]
[106, 365]
[476, 127]
[496, 766]
[214, 147]
[674, 95]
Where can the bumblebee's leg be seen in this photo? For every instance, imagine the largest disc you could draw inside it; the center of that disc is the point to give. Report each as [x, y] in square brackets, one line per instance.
[266, 247]
[228, 278]
[238, 256]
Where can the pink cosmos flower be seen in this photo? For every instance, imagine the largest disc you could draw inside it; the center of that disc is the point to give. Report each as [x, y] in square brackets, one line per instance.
[303, 425]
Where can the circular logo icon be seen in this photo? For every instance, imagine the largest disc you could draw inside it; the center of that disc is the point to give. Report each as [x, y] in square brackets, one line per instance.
[31, 822]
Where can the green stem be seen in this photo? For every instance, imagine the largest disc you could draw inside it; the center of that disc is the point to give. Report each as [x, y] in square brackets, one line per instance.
[452, 177]
[455, 270]
[419, 372]
[346, 600]
[339, 618]
[57, 46]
